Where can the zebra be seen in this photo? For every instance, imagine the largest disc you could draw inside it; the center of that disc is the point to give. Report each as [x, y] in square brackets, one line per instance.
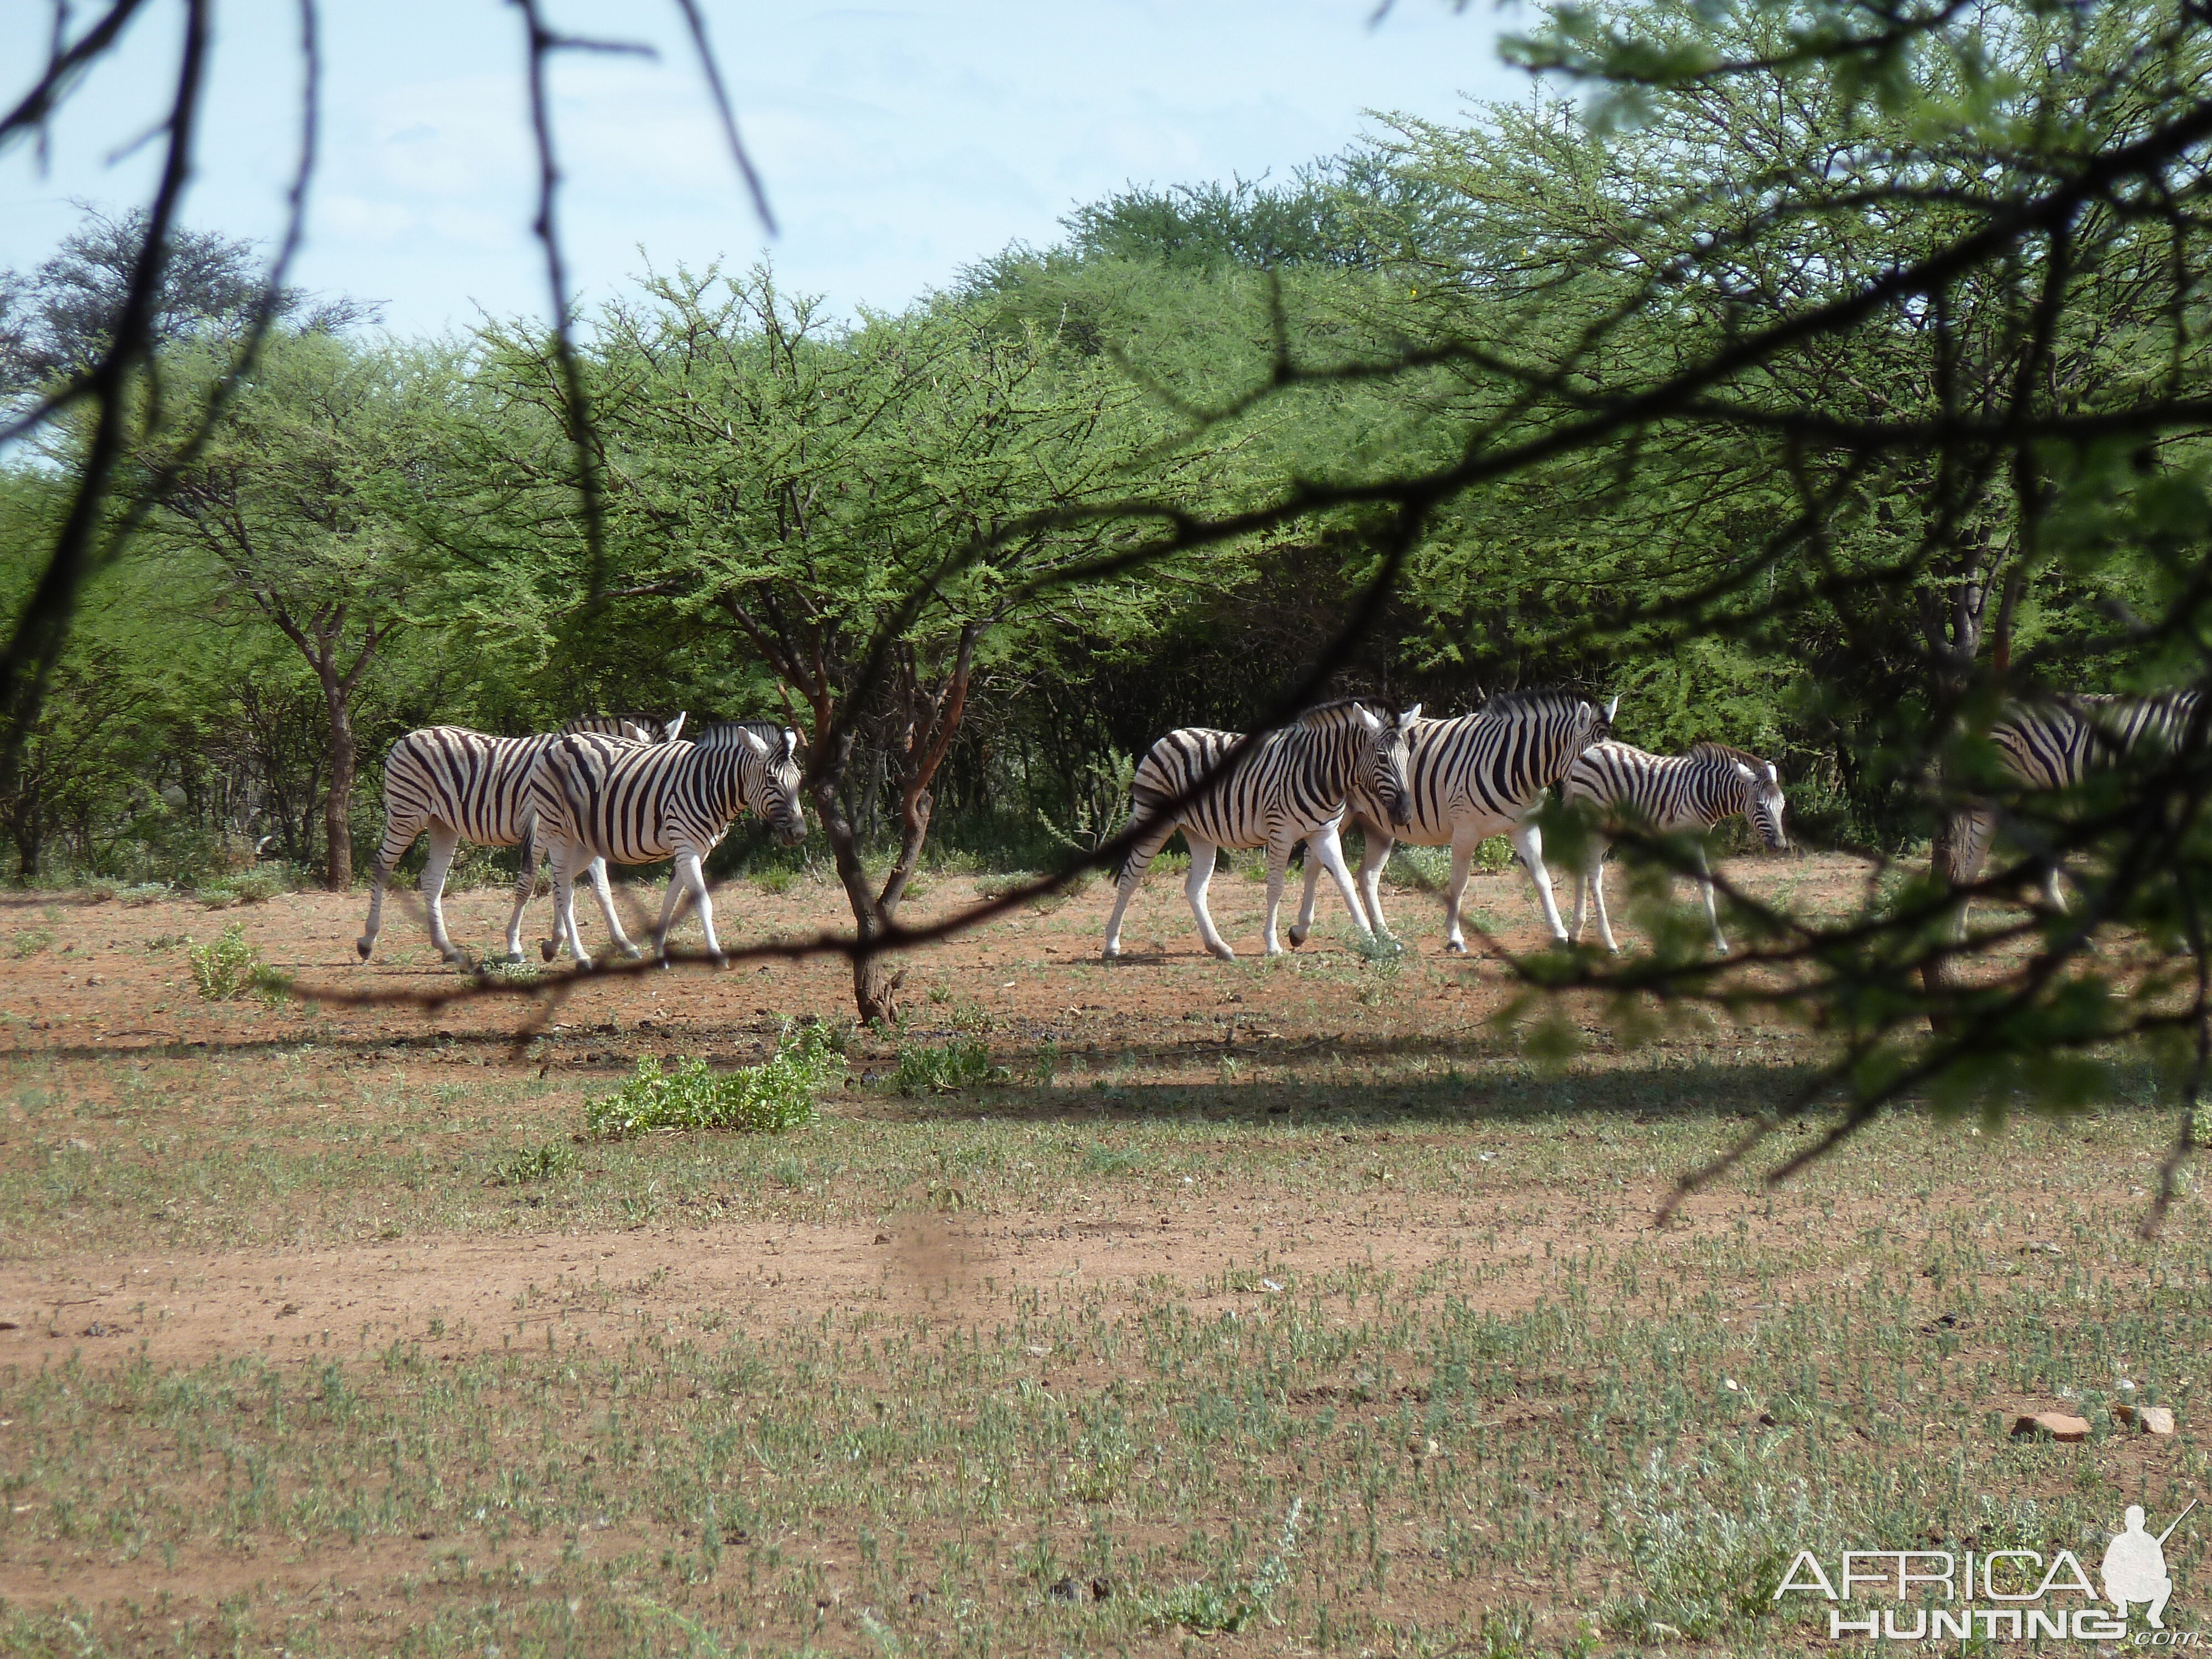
[2056, 743]
[1624, 788]
[468, 786]
[600, 797]
[1481, 775]
[1289, 785]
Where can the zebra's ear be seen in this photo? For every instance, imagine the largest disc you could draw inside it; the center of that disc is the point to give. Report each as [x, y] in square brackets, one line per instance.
[1745, 770]
[757, 743]
[675, 727]
[1611, 707]
[1406, 721]
[1370, 719]
[1772, 777]
[790, 743]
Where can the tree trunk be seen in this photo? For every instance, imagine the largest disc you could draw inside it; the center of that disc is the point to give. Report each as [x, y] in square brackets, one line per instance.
[337, 805]
[875, 986]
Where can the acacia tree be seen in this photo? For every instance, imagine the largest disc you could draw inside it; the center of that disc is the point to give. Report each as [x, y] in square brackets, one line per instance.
[305, 506]
[838, 502]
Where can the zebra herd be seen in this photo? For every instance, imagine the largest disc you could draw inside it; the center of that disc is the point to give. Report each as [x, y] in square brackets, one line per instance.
[1451, 783]
[631, 789]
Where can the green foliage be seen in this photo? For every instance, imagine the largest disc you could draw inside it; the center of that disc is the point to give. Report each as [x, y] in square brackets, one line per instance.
[32, 940]
[255, 886]
[528, 1165]
[777, 1094]
[228, 968]
[946, 1068]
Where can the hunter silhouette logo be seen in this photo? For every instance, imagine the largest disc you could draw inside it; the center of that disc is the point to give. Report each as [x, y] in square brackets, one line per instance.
[2021, 1593]
[2135, 1566]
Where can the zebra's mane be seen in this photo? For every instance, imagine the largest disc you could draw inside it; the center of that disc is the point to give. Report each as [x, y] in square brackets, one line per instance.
[728, 734]
[1721, 751]
[1536, 699]
[595, 720]
[1322, 715]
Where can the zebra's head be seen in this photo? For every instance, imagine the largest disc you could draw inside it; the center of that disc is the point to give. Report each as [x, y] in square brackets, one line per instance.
[1763, 803]
[1382, 771]
[775, 792]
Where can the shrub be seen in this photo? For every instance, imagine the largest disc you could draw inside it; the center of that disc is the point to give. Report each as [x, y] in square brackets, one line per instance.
[534, 1163]
[765, 1099]
[499, 970]
[32, 940]
[145, 892]
[962, 1063]
[252, 886]
[230, 968]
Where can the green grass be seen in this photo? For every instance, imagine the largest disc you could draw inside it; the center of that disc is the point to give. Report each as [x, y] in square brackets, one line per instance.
[229, 966]
[946, 1068]
[1361, 1458]
[777, 1094]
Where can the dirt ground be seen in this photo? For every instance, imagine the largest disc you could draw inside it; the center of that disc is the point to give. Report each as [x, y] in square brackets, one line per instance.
[1321, 1132]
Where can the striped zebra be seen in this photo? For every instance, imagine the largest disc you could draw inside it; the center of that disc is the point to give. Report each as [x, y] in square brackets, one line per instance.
[1624, 788]
[629, 803]
[1482, 775]
[463, 786]
[1289, 785]
[2056, 743]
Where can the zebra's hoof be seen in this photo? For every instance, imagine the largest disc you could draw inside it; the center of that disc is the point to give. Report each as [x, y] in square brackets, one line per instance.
[548, 948]
[1111, 953]
[514, 958]
[718, 959]
[1298, 937]
[1228, 955]
[1457, 946]
[632, 952]
[1721, 950]
[364, 947]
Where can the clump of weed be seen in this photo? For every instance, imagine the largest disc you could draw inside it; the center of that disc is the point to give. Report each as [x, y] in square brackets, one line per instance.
[971, 1020]
[1704, 1569]
[499, 970]
[776, 881]
[253, 886]
[528, 1165]
[962, 1063]
[1112, 1160]
[998, 886]
[144, 892]
[167, 941]
[32, 940]
[228, 968]
[777, 1094]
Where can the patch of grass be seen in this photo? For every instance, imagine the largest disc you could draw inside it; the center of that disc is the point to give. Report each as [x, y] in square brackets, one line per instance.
[998, 886]
[946, 1068]
[167, 942]
[32, 940]
[255, 886]
[228, 968]
[528, 1165]
[776, 880]
[777, 1094]
[500, 971]
[145, 892]
[972, 1020]
[1112, 1160]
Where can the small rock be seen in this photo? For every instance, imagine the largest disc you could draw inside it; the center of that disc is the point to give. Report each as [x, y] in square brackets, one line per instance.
[95, 979]
[918, 1599]
[1064, 1590]
[98, 1329]
[882, 1238]
[1101, 1589]
[2146, 1419]
[2058, 1425]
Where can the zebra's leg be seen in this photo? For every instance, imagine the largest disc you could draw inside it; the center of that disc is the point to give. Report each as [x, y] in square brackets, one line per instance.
[1594, 873]
[1304, 924]
[1379, 843]
[1327, 845]
[688, 881]
[1133, 873]
[565, 856]
[398, 836]
[1970, 833]
[1713, 910]
[442, 843]
[1463, 853]
[605, 894]
[1193, 889]
[525, 884]
[1528, 843]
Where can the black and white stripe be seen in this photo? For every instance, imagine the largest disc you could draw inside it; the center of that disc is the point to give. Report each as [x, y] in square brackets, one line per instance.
[1482, 775]
[631, 803]
[1286, 786]
[1625, 789]
[2056, 743]
[463, 786]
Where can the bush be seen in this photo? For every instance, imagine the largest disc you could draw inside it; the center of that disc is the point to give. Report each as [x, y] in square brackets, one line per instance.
[765, 1099]
[253, 886]
[230, 967]
[961, 1064]
[534, 1163]
[145, 892]
[32, 940]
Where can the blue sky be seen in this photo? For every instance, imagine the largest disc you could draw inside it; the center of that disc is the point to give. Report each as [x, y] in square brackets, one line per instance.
[898, 142]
